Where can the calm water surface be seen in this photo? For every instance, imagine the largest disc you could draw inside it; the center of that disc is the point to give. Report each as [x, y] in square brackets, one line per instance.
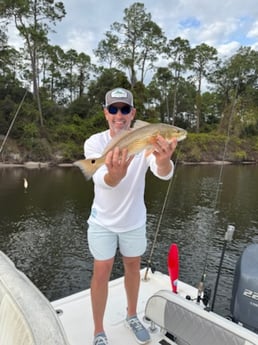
[43, 229]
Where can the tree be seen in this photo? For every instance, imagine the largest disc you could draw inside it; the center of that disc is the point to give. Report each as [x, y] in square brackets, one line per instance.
[140, 41]
[108, 50]
[32, 18]
[52, 73]
[71, 57]
[84, 68]
[108, 79]
[177, 52]
[200, 60]
[236, 81]
[161, 81]
[91, 103]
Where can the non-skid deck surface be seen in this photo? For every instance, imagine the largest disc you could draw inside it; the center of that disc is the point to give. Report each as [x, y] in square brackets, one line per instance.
[76, 313]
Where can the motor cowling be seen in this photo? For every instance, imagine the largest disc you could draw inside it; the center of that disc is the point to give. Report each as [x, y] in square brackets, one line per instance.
[244, 302]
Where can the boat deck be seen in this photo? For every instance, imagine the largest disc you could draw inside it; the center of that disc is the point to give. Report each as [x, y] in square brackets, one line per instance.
[27, 317]
[76, 314]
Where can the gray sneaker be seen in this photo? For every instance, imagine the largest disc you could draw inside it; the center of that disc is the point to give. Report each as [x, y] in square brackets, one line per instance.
[100, 339]
[140, 332]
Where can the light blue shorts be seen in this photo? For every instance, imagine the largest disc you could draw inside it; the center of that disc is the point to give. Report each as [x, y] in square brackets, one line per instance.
[103, 243]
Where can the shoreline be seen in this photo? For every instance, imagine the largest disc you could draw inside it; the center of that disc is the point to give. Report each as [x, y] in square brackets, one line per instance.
[35, 165]
[39, 165]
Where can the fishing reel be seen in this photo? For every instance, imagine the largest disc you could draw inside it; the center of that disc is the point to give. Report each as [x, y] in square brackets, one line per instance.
[204, 297]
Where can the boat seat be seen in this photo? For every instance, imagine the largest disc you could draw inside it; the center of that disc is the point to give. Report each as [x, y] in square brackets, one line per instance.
[26, 316]
[189, 323]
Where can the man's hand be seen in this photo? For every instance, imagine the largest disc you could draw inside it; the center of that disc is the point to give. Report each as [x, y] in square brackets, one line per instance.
[163, 152]
[117, 162]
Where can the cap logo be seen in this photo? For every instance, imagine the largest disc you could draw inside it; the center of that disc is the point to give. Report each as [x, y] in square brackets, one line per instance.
[118, 93]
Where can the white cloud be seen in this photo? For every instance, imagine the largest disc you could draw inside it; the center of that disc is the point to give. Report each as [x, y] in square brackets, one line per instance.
[80, 39]
[223, 24]
[227, 50]
[13, 37]
[218, 21]
[253, 33]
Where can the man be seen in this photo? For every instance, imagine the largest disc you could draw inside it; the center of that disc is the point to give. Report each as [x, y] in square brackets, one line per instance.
[118, 214]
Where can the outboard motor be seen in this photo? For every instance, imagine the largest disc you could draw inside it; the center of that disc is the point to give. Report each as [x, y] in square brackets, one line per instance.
[244, 302]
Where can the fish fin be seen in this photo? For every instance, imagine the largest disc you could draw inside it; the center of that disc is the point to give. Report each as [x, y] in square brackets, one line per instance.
[87, 166]
[140, 123]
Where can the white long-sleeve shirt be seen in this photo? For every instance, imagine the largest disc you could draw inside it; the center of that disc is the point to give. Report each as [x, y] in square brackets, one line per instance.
[120, 208]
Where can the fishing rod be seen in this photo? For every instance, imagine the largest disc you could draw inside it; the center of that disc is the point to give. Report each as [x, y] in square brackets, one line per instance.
[158, 226]
[205, 293]
[149, 263]
[13, 120]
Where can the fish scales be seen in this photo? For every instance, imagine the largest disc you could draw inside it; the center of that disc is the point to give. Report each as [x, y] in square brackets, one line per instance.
[135, 140]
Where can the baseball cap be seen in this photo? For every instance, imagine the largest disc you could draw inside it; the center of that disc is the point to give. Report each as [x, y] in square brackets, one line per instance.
[119, 95]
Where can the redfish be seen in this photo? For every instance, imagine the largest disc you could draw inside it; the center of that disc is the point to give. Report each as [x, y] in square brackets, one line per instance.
[142, 137]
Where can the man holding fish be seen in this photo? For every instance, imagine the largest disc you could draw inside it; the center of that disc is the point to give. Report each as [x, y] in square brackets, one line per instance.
[118, 159]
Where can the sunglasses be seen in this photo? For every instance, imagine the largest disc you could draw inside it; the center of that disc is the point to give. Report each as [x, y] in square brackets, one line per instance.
[125, 109]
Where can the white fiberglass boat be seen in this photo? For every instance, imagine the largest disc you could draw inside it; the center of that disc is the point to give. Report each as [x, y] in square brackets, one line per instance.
[28, 318]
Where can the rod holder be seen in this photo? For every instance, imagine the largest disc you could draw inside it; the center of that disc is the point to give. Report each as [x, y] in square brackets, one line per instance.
[228, 237]
[229, 233]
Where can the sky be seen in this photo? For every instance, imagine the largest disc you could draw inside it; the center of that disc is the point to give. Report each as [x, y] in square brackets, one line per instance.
[223, 24]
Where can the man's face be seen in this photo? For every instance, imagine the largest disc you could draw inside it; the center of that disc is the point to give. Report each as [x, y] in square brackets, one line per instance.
[119, 117]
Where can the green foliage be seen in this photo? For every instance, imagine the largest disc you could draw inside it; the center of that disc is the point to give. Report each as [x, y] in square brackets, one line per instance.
[240, 156]
[71, 135]
[35, 149]
[79, 107]
[96, 124]
[213, 147]
[203, 147]
[108, 79]
[72, 90]
[30, 131]
[53, 113]
[72, 131]
[69, 152]
[7, 107]
[139, 42]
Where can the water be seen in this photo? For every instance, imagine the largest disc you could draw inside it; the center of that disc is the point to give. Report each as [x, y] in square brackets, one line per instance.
[43, 228]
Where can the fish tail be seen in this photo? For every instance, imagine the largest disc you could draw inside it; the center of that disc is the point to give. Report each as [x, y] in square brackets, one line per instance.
[87, 166]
